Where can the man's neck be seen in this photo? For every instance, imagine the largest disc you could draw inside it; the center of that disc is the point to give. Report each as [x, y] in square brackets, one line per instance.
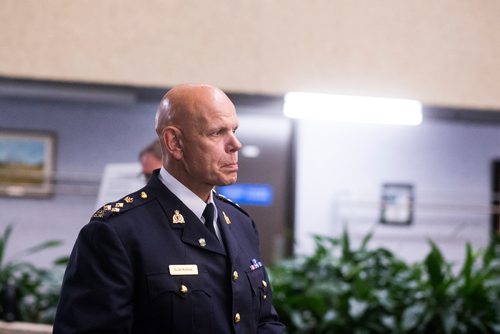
[202, 191]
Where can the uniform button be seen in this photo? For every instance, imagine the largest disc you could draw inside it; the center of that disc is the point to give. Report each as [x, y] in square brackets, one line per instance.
[237, 318]
[264, 284]
[235, 275]
[265, 297]
[183, 289]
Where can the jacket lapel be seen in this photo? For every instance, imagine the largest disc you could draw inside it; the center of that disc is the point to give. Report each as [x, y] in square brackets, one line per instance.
[193, 232]
[232, 246]
[196, 234]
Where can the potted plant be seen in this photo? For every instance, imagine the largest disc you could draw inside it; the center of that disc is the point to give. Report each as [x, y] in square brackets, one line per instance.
[27, 292]
[339, 289]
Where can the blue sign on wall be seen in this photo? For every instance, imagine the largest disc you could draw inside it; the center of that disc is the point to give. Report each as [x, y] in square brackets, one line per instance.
[248, 194]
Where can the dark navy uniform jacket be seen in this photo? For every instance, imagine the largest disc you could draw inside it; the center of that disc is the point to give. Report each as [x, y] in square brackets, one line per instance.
[146, 264]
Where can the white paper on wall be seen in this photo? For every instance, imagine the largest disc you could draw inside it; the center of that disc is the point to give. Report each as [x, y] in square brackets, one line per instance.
[118, 180]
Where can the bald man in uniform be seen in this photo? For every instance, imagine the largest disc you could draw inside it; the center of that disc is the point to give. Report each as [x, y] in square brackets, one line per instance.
[174, 257]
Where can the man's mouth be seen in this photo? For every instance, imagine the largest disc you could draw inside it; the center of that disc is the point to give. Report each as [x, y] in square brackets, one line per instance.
[233, 166]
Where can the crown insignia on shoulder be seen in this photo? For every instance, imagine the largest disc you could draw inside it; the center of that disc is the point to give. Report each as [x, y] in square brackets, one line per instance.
[126, 203]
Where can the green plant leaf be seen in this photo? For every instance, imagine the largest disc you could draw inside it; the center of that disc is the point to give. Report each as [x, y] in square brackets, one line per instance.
[468, 264]
[436, 267]
[366, 240]
[346, 247]
[3, 243]
[61, 261]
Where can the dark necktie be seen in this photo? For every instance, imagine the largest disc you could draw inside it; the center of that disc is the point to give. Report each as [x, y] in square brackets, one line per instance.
[208, 214]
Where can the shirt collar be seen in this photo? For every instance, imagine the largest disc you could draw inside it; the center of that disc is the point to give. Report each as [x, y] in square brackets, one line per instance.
[190, 199]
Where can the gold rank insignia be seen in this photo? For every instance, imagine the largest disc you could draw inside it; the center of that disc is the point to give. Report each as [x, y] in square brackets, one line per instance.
[226, 218]
[118, 205]
[107, 207]
[99, 214]
[144, 195]
[178, 218]
[115, 210]
[128, 199]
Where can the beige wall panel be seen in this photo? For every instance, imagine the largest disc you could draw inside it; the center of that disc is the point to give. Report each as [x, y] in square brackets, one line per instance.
[442, 52]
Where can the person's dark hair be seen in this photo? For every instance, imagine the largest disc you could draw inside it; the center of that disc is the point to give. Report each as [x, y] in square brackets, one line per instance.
[154, 148]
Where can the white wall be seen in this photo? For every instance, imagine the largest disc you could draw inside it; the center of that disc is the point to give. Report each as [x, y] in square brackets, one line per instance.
[439, 52]
[341, 169]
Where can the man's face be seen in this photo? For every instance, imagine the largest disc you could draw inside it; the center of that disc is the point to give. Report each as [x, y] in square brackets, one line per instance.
[210, 146]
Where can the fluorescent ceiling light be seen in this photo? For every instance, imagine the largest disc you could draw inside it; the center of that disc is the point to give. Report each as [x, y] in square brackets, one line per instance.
[359, 109]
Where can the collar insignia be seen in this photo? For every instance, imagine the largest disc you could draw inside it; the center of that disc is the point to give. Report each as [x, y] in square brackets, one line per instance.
[178, 218]
[226, 218]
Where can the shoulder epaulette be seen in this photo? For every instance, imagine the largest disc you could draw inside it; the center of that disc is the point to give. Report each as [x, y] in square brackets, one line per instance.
[227, 200]
[126, 203]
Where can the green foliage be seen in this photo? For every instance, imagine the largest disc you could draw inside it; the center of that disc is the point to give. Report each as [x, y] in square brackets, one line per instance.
[28, 293]
[343, 290]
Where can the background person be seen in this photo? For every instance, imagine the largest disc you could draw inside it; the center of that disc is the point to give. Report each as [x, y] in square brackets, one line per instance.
[150, 158]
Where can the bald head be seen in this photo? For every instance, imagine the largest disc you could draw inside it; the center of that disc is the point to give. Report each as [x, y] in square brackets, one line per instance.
[185, 103]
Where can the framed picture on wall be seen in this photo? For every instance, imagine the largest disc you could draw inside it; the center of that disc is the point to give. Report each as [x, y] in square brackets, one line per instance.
[397, 203]
[27, 162]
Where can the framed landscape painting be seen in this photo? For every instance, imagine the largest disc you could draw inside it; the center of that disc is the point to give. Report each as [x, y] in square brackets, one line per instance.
[27, 161]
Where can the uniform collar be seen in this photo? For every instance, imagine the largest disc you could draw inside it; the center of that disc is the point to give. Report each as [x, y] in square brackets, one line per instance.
[190, 199]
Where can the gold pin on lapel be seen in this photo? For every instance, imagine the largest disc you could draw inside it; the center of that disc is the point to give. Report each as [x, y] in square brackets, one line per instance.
[128, 199]
[202, 242]
[226, 218]
[178, 218]
[144, 195]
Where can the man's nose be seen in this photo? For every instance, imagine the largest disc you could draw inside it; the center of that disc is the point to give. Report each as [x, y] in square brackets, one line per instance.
[234, 144]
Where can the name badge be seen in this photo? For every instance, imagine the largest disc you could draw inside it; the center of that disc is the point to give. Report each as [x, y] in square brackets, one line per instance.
[183, 269]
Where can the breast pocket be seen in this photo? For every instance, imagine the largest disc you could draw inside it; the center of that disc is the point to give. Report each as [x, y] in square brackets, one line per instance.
[261, 291]
[181, 303]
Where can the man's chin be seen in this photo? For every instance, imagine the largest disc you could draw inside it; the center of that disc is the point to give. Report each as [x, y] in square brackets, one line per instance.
[228, 181]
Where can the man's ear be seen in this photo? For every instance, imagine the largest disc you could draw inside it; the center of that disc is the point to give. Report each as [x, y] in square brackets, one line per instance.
[173, 141]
